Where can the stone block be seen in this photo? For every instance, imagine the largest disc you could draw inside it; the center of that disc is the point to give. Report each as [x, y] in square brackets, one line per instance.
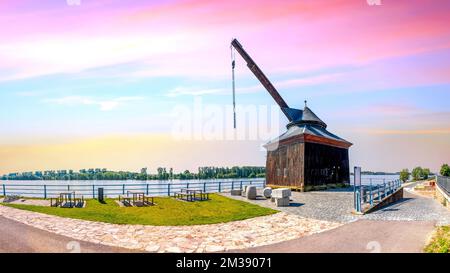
[281, 193]
[251, 192]
[267, 192]
[236, 192]
[282, 202]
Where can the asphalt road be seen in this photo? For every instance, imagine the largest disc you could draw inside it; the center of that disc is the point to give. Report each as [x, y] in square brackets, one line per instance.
[16, 237]
[362, 236]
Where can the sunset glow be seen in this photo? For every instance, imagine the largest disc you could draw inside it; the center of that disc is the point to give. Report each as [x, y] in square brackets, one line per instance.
[95, 84]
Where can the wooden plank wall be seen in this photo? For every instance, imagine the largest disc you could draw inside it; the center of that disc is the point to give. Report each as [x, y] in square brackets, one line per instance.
[285, 166]
[326, 164]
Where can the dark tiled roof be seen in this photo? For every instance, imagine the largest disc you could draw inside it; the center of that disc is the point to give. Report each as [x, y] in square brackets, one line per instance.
[309, 129]
[305, 122]
[305, 116]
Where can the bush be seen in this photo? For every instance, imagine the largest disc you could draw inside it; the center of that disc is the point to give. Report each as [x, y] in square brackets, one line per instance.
[404, 175]
[445, 170]
[425, 173]
[417, 173]
[440, 243]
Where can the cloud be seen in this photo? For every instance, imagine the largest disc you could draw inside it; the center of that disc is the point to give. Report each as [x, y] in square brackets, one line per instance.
[103, 104]
[289, 83]
[172, 39]
[409, 132]
[191, 91]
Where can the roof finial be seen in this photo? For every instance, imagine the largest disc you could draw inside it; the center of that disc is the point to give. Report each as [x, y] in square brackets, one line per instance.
[305, 103]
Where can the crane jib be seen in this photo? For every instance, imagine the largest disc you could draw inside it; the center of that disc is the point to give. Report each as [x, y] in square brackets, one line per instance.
[261, 77]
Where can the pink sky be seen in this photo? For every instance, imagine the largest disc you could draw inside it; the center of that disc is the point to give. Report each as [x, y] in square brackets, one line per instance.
[371, 72]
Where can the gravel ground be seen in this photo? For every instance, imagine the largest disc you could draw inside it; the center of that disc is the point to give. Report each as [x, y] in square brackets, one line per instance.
[337, 205]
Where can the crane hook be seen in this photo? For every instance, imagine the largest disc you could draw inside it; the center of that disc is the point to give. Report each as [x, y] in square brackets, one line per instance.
[233, 85]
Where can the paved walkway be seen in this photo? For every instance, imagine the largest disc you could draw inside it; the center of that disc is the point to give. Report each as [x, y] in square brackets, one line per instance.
[404, 226]
[17, 237]
[360, 237]
[337, 206]
[198, 238]
[313, 223]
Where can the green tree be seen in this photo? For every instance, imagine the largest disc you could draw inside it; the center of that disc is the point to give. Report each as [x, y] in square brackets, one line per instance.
[417, 173]
[425, 173]
[445, 170]
[404, 175]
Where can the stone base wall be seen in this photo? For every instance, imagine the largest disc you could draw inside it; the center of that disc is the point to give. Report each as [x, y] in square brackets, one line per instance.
[396, 196]
[442, 197]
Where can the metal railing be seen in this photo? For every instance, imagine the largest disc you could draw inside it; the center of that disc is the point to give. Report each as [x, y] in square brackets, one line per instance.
[114, 190]
[368, 195]
[444, 183]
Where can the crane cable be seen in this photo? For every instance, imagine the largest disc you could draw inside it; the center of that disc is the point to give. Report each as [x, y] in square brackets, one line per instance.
[233, 85]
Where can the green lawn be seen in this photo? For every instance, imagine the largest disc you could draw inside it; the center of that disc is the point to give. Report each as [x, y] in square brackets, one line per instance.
[167, 211]
[440, 243]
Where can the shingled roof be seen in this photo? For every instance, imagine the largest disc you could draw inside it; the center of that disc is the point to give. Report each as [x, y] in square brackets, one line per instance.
[305, 116]
[305, 122]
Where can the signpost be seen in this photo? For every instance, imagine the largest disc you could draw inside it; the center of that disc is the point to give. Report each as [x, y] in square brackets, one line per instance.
[357, 188]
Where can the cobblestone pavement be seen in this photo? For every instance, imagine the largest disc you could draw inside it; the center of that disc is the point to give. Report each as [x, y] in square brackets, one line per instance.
[324, 205]
[253, 232]
[413, 207]
[337, 206]
[35, 202]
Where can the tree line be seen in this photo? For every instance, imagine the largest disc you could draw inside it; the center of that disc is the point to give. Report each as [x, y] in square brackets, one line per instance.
[419, 173]
[162, 173]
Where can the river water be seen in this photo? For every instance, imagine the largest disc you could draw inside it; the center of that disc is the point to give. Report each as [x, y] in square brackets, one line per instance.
[113, 188]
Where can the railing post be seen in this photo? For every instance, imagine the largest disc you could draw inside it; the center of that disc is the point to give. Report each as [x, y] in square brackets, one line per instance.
[187, 185]
[219, 186]
[241, 185]
[146, 190]
[168, 189]
[371, 197]
[68, 187]
[93, 191]
[384, 191]
[45, 192]
[4, 190]
[358, 200]
[232, 185]
[123, 188]
[204, 186]
[379, 196]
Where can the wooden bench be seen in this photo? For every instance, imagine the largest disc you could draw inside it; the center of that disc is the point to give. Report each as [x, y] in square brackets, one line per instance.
[147, 200]
[191, 195]
[184, 196]
[125, 199]
[67, 200]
